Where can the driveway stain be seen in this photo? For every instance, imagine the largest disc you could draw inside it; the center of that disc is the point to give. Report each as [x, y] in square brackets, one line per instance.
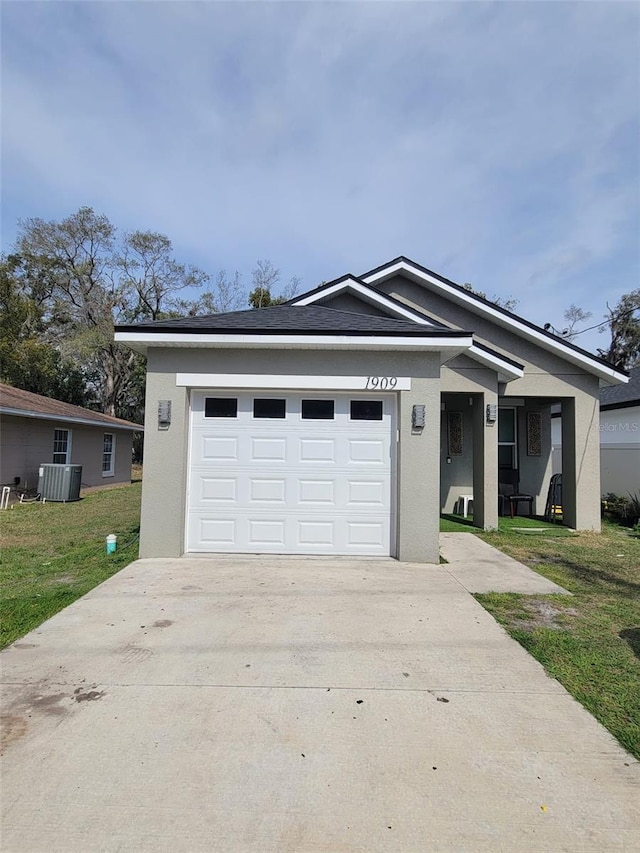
[135, 654]
[49, 704]
[88, 696]
[12, 728]
[162, 623]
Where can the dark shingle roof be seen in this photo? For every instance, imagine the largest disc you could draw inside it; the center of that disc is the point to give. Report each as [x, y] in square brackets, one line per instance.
[14, 400]
[620, 396]
[287, 319]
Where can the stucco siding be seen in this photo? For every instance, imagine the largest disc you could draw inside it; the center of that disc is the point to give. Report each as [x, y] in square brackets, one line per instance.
[166, 452]
[619, 433]
[620, 470]
[28, 442]
[539, 364]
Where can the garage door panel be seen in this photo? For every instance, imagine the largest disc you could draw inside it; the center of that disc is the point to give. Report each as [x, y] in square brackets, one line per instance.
[268, 449]
[267, 490]
[218, 448]
[368, 451]
[267, 532]
[368, 533]
[216, 531]
[315, 533]
[319, 450]
[292, 485]
[366, 493]
[316, 491]
[218, 489]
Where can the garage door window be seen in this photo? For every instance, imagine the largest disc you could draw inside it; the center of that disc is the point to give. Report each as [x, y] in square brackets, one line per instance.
[366, 410]
[267, 407]
[221, 407]
[318, 410]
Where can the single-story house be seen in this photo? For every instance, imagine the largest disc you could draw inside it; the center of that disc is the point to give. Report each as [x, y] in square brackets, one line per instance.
[37, 430]
[619, 437]
[346, 420]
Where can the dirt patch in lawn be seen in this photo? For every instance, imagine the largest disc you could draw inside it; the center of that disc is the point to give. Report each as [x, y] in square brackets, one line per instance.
[545, 615]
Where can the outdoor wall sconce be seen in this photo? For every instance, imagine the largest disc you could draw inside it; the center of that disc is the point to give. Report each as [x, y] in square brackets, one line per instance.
[492, 413]
[164, 414]
[448, 460]
[418, 417]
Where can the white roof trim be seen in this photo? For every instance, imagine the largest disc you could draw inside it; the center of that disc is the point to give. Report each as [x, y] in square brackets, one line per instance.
[450, 345]
[25, 413]
[506, 370]
[525, 331]
[293, 382]
[369, 295]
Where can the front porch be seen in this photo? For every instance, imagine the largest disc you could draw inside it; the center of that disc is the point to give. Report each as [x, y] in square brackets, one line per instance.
[493, 446]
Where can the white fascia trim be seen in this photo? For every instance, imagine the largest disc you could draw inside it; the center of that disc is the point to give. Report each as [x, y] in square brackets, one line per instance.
[505, 368]
[368, 294]
[292, 382]
[364, 342]
[103, 425]
[507, 322]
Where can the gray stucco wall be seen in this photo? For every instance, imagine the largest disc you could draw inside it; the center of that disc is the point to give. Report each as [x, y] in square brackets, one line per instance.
[166, 452]
[620, 470]
[28, 442]
[547, 377]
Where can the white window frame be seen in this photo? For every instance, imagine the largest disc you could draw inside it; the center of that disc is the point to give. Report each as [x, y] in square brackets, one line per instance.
[112, 469]
[66, 453]
[513, 444]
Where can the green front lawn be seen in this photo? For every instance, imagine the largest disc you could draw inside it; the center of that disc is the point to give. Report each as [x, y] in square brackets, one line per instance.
[590, 642]
[451, 523]
[53, 553]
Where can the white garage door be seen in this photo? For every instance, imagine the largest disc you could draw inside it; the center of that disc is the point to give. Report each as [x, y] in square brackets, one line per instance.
[300, 473]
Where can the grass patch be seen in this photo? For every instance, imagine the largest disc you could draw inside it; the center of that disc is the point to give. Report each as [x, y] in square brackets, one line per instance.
[53, 553]
[451, 523]
[591, 642]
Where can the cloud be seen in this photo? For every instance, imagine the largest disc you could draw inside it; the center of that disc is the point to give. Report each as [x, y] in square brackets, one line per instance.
[491, 142]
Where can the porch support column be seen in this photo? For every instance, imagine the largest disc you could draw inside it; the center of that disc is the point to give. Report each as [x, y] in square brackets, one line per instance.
[485, 463]
[581, 462]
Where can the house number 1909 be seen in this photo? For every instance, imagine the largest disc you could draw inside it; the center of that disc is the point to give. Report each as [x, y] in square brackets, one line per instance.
[381, 383]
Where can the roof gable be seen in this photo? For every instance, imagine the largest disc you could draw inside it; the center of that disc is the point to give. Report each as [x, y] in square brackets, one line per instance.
[506, 368]
[501, 316]
[15, 401]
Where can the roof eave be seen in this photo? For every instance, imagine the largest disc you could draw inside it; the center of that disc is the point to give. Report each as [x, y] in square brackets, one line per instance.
[501, 316]
[47, 416]
[449, 344]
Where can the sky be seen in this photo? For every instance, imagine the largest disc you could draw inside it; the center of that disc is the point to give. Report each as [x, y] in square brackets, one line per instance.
[494, 143]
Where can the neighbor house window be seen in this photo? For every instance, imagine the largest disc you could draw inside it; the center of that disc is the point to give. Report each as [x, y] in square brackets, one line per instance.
[507, 439]
[108, 454]
[61, 446]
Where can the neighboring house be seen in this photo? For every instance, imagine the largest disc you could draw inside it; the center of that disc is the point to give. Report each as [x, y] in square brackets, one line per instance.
[346, 420]
[37, 430]
[619, 437]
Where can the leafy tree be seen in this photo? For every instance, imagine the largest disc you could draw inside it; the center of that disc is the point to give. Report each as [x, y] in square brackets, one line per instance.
[93, 280]
[228, 295]
[574, 315]
[623, 324]
[509, 303]
[264, 278]
[27, 361]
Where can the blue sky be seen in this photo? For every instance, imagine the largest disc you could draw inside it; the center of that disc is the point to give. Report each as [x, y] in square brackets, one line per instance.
[495, 143]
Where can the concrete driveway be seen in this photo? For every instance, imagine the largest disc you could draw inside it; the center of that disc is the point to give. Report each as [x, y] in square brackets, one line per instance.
[289, 704]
